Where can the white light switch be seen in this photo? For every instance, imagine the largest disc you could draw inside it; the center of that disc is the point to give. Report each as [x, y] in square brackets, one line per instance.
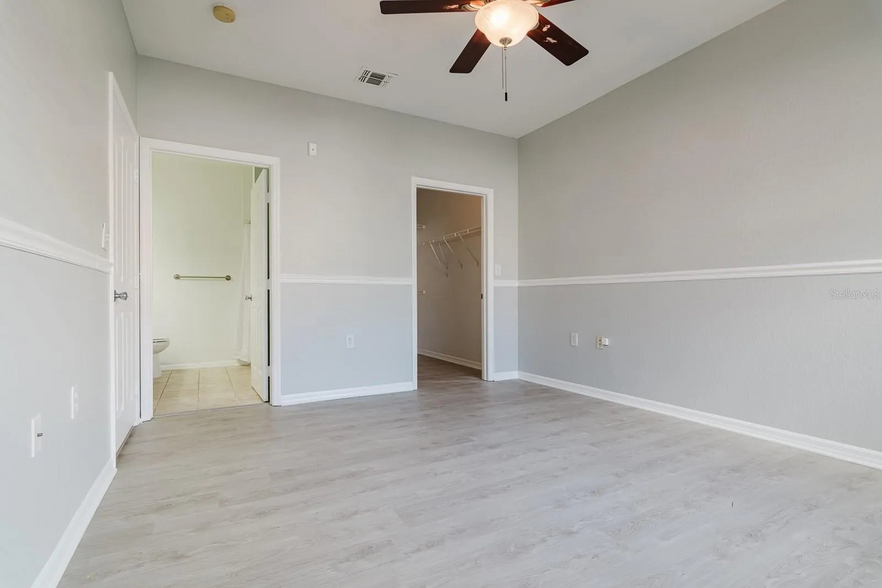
[313, 149]
[498, 269]
[105, 236]
[36, 435]
[74, 402]
[574, 339]
[350, 341]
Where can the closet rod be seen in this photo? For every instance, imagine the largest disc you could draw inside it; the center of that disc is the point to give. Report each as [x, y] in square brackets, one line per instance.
[457, 235]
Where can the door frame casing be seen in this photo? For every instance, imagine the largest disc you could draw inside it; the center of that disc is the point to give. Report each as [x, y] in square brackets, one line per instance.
[115, 95]
[274, 165]
[488, 365]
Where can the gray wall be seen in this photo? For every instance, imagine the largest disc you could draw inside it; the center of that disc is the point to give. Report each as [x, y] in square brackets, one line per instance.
[54, 58]
[346, 212]
[316, 318]
[761, 147]
[449, 313]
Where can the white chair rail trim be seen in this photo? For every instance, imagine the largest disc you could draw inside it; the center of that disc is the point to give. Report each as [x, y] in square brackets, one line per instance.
[870, 266]
[355, 280]
[27, 240]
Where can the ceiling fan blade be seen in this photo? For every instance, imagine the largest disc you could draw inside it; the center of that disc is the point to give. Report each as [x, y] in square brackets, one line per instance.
[557, 42]
[553, 2]
[423, 6]
[471, 55]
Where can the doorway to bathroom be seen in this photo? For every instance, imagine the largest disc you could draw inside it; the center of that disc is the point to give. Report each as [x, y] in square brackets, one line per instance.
[208, 244]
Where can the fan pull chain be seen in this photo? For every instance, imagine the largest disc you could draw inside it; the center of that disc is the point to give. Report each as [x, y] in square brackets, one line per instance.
[505, 71]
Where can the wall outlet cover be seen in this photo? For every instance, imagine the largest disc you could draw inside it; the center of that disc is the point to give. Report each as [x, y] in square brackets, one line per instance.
[350, 341]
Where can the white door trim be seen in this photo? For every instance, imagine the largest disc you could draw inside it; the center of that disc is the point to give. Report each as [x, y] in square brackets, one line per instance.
[488, 371]
[115, 95]
[274, 164]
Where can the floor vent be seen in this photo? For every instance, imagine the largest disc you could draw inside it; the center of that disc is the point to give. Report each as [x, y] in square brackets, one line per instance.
[375, 78]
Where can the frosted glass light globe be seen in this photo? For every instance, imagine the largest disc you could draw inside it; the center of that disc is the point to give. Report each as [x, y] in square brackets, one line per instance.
[506, 22]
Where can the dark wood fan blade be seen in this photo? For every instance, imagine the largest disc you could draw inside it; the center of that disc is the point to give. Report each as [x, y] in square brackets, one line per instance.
[553, 2]
[472, 54]
[421, 6]
[557, 42]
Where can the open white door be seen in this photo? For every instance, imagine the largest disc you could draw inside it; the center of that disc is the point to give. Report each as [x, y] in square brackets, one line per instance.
[124, 251]
[259, 290]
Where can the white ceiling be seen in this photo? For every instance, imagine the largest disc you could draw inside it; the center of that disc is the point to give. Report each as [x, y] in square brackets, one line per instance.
[321, 45]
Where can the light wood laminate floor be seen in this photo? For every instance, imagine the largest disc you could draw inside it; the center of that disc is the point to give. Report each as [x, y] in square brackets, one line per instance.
[467, 484]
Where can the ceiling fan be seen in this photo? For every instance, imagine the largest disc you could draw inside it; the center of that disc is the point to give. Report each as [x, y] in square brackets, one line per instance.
[500, 22]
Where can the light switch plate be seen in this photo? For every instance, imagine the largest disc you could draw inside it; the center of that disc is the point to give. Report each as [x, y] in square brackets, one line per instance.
[574, 339]
[36, 435]
[498, 270]
[350, 341]
[74, 402]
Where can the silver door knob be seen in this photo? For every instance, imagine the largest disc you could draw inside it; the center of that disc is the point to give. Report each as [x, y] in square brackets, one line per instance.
[248, 297]
[120, 295]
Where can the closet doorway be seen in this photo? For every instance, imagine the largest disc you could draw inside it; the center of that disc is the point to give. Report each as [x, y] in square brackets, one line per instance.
[453, 286]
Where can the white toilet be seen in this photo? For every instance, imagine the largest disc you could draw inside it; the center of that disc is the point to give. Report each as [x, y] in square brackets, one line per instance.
[159, 345]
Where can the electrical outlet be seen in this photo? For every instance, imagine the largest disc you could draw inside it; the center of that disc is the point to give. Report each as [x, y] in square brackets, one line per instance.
[74, 402]
[313, 149]
[350, 341]
[36, 435]
[602, 342]
[574, 339]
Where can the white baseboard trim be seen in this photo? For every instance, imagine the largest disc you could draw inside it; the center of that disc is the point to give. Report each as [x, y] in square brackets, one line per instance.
[308, 397]
[54, 569]
[504, 376]
[834, 449]
[451, 359]
[197, 366]
[27, 240]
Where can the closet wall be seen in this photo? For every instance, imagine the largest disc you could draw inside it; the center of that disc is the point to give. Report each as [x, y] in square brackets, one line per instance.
[449, 313]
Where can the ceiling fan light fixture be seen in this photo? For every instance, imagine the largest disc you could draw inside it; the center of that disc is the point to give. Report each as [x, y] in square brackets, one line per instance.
[506, 22]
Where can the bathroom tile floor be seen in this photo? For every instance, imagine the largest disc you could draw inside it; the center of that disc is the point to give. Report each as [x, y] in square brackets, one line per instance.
[179, 391]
